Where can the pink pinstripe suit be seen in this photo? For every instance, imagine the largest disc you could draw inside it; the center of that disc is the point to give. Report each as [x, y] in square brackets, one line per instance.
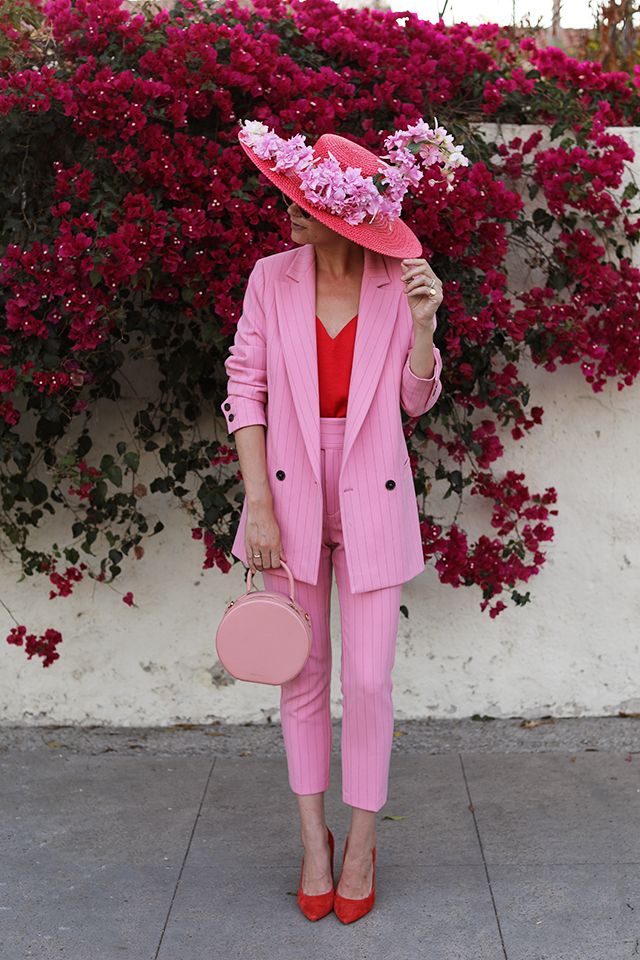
[343, 496]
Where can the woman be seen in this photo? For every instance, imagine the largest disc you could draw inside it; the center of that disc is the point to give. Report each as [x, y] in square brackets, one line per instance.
[336, 336]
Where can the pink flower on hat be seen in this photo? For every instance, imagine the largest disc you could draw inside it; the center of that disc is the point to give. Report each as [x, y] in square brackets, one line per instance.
[345, 192]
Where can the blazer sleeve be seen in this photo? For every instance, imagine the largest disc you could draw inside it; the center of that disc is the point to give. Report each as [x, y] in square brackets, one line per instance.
[419, 394]
[246, 364]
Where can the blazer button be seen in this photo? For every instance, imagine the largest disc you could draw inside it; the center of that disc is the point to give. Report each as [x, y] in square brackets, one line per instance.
[280, 474]
[231, 416]
[227, 406]
[390, 484]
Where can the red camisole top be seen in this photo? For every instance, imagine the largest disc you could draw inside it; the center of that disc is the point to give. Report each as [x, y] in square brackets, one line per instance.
[335, 356]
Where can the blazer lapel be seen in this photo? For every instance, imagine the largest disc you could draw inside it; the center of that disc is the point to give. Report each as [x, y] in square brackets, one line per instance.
[296, 309]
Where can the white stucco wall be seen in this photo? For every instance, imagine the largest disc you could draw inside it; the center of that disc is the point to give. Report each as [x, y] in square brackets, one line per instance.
[573, 651]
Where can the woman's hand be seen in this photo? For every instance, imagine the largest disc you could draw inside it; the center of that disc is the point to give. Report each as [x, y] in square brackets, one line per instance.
[424, 292]
[262, 536]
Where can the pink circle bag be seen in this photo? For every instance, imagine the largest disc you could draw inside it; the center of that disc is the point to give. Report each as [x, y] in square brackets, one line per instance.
[264, 636]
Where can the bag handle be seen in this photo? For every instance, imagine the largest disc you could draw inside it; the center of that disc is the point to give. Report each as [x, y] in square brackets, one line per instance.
[289, 574]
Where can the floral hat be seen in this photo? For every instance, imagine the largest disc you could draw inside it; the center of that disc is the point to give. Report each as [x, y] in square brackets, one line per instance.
[349, 188]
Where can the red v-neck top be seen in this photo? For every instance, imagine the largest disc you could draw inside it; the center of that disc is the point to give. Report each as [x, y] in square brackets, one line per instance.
[335, 356]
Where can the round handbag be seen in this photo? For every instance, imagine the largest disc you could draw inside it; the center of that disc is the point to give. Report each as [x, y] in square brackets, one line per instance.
[264, 636]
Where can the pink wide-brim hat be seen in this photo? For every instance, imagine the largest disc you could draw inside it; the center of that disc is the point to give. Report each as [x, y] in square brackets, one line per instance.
[393, 238]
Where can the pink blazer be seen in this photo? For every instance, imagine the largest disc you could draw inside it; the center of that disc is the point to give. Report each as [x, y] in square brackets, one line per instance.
[272, 372]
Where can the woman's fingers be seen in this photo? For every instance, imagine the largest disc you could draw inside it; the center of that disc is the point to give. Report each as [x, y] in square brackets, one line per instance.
[421, 278]
[272, 557]
[269, 557]
[262, 536]
[255, 563]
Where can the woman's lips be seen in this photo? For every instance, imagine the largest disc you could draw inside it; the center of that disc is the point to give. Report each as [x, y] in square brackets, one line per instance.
[294, 224]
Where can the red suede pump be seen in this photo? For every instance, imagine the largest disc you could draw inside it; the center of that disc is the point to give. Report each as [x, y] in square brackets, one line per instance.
[348, 909]
[315, 906]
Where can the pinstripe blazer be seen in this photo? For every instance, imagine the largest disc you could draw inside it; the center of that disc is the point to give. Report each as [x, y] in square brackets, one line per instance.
[272, 371]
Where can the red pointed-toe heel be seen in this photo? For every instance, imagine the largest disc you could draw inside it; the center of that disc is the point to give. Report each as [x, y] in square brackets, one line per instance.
[315, 906]
[347, 909]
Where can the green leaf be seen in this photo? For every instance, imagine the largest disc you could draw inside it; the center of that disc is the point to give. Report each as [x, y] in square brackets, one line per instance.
[542, 219]
[36, 491]
[455, 479]
[100, 493]
[84, 445]
[114, 474]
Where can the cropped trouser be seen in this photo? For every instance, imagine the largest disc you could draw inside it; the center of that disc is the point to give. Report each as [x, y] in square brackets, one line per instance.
[369, 625]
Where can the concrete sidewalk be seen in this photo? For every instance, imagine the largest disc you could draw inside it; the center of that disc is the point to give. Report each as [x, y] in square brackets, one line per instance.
[183, 844]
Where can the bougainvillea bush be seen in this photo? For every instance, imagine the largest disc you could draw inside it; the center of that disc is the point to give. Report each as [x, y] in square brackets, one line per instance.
[131, 219]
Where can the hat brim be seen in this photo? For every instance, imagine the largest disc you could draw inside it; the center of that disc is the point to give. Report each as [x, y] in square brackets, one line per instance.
[393, 239]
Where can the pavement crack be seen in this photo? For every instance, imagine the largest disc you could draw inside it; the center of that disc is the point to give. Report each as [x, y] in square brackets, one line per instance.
[184, 859]
[472, 810]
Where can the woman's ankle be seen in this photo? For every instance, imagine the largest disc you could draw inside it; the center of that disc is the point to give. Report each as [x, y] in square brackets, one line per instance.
[361, 845]
[315, 840]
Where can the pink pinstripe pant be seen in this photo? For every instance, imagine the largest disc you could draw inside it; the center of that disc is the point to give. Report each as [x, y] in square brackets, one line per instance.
[369, 625]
